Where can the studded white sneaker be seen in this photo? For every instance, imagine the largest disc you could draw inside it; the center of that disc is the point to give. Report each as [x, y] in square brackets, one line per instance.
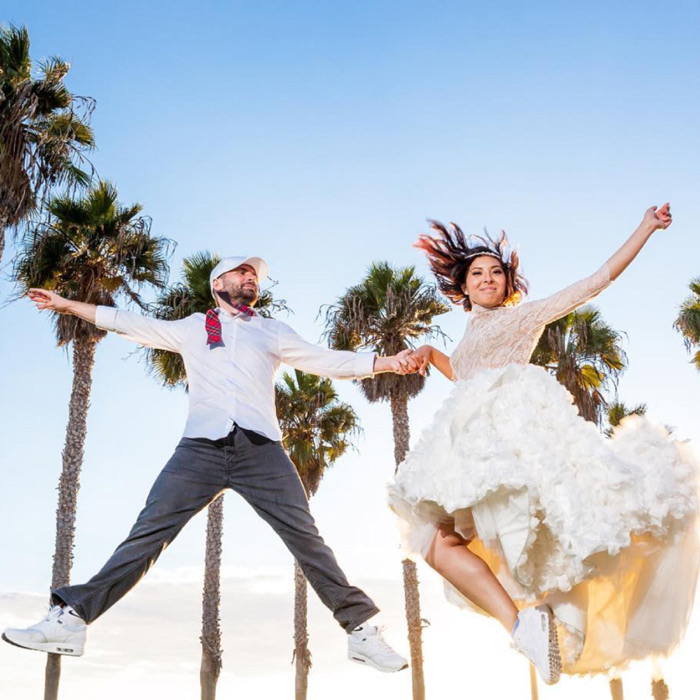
[62, 631]
[536, 638]
[367, 646]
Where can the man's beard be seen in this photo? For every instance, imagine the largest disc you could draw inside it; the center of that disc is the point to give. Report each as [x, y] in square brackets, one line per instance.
[239, 294]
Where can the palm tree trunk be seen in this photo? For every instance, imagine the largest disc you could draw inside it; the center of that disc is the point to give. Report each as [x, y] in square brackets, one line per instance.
[302, 655]
[659, 690]
[616, 692]
[534, 692]
[415, 627]
[69, 485]
[212, 652]
[4, 228]
[2, 243]
[402, 430]
[402, 436]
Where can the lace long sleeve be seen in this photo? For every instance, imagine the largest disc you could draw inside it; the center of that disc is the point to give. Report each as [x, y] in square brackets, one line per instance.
[544, 311]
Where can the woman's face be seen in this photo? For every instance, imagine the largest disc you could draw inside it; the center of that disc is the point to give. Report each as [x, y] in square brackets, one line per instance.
[486, 282]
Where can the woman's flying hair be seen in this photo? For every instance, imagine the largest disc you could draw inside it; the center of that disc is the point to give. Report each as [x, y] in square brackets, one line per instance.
[450, 254]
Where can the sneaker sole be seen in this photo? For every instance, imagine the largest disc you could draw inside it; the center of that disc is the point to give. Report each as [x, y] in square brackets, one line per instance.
[554, 656]
[53, 648]
[359, 659]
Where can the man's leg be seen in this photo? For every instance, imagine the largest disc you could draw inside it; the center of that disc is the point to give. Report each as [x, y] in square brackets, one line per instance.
[191, 479]
[261, 471]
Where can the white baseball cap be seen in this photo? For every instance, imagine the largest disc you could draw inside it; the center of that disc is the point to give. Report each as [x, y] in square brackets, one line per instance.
[227, 264]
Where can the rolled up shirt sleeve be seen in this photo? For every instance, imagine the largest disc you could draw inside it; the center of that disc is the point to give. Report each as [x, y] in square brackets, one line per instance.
[336, 364]
[151, 332]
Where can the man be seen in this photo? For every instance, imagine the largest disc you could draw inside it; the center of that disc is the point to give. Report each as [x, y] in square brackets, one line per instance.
[231, 440]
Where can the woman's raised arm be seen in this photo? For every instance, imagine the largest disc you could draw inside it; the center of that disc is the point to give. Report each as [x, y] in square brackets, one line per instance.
[654, 219]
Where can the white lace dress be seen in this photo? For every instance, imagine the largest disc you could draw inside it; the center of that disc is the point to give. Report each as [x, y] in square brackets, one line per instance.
[604, 530]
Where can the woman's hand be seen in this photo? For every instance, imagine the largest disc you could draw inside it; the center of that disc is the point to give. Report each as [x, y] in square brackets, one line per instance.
[654, 219]
[422, 357]
[658, 218]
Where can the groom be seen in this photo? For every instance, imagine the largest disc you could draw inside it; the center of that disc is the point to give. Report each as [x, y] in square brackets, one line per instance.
[231, 440]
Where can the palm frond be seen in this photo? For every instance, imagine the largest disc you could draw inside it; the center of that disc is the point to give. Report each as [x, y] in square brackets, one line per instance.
[317, 428]
[91, 254]
[44, 129]
[391, 310]
[618, 411]
[687, 322]
[585, 354]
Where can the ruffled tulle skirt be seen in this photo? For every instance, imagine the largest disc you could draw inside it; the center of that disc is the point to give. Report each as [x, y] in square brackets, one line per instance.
[603, 530]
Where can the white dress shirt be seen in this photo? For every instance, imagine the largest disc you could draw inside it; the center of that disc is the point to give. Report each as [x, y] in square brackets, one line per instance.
[234, 383]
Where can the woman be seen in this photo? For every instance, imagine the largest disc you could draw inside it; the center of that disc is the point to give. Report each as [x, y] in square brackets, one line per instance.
[512, 497]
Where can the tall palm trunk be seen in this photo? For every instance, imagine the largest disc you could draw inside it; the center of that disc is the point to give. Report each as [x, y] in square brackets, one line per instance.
[616, 692]
[3, 230]
[211, 600]
[302, 655]
[534, 692]
[402, 436]
[69, 485]
[659, 690]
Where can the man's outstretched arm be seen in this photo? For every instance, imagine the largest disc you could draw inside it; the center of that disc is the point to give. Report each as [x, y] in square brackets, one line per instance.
[338, 364]
[54, 302]
[151, 332]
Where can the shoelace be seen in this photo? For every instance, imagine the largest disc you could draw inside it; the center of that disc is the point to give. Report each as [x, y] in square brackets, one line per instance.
[376, 641]
[55, 611]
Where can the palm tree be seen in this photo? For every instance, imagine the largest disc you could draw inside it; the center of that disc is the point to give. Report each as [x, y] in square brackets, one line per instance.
[93, 250]
[44, 130]
[534, 692]
[317, 430]
[389, 311]
[659, 689]
[585, 354]
[688, 321]
[189, 296]
[616, 690]
[617, 410]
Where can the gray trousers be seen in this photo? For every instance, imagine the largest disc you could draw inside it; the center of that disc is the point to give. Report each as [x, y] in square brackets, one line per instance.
[259, 470]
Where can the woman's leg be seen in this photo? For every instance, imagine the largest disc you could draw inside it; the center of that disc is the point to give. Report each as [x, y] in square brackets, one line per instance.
[469, 574]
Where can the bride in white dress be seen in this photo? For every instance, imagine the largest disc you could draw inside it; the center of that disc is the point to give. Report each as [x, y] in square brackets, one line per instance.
[517, 501]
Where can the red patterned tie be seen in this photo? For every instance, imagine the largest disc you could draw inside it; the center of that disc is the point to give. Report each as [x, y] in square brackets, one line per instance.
[213, 324]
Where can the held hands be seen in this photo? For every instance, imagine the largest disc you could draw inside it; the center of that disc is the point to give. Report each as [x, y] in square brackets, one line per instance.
[399, 363]
[48, 300]
[658, 217]
[421, 357]
[407, 361]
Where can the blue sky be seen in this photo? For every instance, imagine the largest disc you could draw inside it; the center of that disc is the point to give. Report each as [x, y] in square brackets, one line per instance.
[321, 135]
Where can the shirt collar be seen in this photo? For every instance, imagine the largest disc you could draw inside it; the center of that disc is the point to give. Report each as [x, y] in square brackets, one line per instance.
[224, 313]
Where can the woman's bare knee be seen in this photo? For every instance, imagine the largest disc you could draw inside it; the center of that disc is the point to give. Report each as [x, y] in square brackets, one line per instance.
[444, 542]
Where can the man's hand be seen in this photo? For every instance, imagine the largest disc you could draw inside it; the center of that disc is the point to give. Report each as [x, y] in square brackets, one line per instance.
[55, 302]
[49, 300]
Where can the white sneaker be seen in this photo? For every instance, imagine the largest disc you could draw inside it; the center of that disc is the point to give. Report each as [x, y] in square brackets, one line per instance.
[367, 646]
[62, 631]
[536, 638]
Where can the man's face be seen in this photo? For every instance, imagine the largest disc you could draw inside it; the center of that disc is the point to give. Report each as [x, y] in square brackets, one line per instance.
[240, 285]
